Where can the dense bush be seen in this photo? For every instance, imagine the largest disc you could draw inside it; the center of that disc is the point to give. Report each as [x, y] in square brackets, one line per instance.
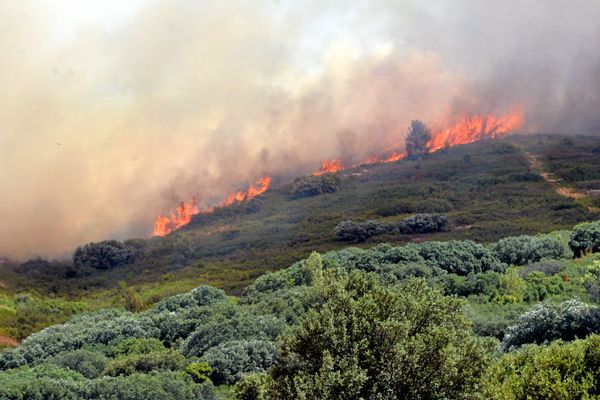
[201, 296]
[547, 322]
[585, 239]
[337, 352]
[460, 257]
[356, 232]
[241, 325]
[546, 267]
[103, 255]
[88, 363]
[230, 360]
[560, 371]
[315, 185]
[522, 250]
[166, 360]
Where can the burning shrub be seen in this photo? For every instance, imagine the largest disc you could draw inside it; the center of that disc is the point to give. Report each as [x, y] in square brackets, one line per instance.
[521, 250]
[585, 238]
[315, 185]
[103, 255]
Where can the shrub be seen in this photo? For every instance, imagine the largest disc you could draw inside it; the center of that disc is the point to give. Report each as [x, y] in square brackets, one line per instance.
[547, 322]
[585, 238]
[198, 371]
[230, 360]
[200, 296]
[356, 232]
[560, 371]
[166, 360]
[546, 267]
[522, 250]
[131, 346]
[460, 257]
[315, 185]
[338, 351]
[252, 386]
[88, 363]
[103, 255]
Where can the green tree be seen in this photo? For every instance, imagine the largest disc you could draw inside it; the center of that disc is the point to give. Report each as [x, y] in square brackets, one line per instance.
[417, 138]
[371, 341]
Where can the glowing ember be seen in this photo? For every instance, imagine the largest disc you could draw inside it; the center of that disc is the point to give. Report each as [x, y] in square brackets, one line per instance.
[330, 166]
[165, 224]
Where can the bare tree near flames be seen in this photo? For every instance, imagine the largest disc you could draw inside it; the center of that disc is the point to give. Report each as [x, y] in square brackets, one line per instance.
[417, 138]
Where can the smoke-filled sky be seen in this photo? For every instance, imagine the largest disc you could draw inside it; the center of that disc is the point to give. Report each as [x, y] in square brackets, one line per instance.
[113, 111]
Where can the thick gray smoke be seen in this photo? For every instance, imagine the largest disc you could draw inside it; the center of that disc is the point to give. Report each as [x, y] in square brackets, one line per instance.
[103, 129]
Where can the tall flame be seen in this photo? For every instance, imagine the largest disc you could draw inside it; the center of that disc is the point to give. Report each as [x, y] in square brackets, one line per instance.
[469, 129]
[165, 224]
[474, 128]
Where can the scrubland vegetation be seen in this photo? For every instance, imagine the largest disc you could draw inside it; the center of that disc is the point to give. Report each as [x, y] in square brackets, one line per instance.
[352, 323]
[469, 277]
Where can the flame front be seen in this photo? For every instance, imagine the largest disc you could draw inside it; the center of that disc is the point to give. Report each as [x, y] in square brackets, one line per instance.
[474, 128]
[182, 216]
[165, 224]
[469, 129]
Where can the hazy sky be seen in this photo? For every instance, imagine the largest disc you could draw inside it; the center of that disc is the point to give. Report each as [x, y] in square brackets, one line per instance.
[112, 111]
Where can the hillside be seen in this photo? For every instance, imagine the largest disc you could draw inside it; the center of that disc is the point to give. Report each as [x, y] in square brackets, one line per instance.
[487, 189]
[326, 320]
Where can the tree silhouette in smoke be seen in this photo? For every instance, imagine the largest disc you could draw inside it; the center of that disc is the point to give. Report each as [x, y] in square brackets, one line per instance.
[417, 138]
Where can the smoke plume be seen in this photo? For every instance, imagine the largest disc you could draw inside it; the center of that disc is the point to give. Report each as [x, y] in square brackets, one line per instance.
[103, 129]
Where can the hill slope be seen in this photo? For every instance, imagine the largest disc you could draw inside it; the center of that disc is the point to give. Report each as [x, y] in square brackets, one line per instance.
[488, 190]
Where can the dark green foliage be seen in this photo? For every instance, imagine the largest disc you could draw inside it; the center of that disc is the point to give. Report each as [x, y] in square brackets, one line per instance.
[585, 239]
[460, 257]
[199, 371]
[560, 371]
[355, 232]
[521, 250]
[339, 351]
[201, 296]
[547, 322]
[241, 325]
[315, 185]
[417, 138]
[547, 267]
[88, 363]
[231, 360]
[135, 346]
[433, 205]
[103, 255]
[166, 360]
[252, 386]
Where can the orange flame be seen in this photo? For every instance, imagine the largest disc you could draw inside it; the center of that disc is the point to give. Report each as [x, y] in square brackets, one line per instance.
[261, 186]
[165, 224]
[474, 128]
[182, 216]
[470, 129]
[330, 166]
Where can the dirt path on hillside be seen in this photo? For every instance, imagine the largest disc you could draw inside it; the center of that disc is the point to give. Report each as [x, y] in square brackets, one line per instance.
[549, 177]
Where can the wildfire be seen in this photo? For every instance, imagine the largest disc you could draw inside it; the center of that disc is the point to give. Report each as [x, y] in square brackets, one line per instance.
[330, 166]
[474, 128]
[468, 130]
[258, 188]
[182, 216]
[165, 224]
